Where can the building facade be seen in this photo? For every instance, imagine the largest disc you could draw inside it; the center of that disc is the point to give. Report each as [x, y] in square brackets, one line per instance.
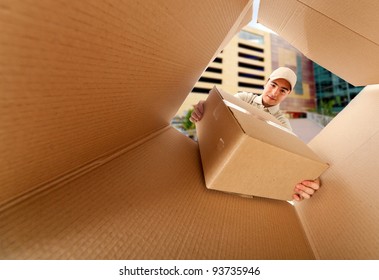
[303, 98]
[243, 65]
[246, 63]
[332, 92]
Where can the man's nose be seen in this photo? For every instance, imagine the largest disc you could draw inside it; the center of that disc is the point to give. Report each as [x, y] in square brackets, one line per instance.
[275, 91]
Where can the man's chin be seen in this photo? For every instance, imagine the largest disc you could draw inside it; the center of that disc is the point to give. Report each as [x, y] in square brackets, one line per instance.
[269, 103]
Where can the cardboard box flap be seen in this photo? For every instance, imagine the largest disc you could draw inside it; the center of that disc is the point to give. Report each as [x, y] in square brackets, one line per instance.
[84, 80]
[254, 123]
[243, 153]
[349, 187]
[330, 33]
[234, 102]
[358, 17]
[117, 212]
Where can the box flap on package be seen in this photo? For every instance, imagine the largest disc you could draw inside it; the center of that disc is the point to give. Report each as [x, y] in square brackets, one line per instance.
[243, 151]
[342, 36]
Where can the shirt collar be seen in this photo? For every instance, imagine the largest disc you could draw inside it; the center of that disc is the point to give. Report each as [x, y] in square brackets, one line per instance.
[273, 109]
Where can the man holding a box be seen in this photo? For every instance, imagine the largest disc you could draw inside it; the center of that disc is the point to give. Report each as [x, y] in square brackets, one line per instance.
[279, 85]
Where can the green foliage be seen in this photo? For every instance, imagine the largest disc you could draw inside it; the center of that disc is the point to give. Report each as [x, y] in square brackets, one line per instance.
[327, 107]
[187, 124]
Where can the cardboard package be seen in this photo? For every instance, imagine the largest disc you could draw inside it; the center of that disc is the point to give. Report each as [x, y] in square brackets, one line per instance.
[247, 151]
[91, 169]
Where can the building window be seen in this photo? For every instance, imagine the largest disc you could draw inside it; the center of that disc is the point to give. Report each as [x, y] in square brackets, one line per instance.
[258, 39]
[249, 56]
[251, 48]
[248, 85]
[213, 70]
[210, 80]
[200, 90]
[251, 66]
[251, 76]
[218, 60]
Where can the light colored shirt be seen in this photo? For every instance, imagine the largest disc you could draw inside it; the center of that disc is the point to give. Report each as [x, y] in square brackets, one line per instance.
[256, 101]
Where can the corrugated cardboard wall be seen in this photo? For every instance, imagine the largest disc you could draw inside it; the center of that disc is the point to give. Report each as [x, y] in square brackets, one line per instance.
[83, 79]
[150, 203]
[342, 36]
[88, 90]
[342, 219]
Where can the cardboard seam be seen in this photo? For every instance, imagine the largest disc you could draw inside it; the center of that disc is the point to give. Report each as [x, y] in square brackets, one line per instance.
[282, 25]
[296, 154]
[338, 23]
[69, 176]
[307, 236]
[307, 228]
[363, 143]
[238, 142]
[230, 111]
[226, 160]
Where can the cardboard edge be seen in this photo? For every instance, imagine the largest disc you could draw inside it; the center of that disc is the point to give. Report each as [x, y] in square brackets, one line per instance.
[214, 93]
[71, 175]
[321, 167]
[243, 19]
[310, 154]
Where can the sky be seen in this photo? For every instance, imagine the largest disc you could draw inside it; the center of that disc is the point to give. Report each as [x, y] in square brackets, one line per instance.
[254, 23]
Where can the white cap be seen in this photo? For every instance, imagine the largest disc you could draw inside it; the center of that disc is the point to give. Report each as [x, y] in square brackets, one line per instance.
[284, 73]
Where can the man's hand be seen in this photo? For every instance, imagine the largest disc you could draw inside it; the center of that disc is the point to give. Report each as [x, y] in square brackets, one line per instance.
[198, 112]
[306, 189]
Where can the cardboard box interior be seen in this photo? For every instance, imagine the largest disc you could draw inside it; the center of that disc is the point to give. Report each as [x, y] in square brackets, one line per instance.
[349, 194]
[91, 169]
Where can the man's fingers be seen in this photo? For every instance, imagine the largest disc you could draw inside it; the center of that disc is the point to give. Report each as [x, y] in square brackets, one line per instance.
[306, 189]
[306, 195]
[311, 184]
[200, 107]
[300, 188]
[195, 116]
[302, 194]
[197, 113]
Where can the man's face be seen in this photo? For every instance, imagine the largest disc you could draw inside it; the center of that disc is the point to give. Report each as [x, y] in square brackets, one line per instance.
[275, 92]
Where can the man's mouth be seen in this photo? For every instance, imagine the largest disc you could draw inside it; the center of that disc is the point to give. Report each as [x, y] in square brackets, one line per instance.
[271, 97]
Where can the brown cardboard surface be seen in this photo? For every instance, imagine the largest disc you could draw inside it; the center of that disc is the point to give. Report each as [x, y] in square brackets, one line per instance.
[90, 169]
[342, 220]
[341, 36]
[240, 105]
[136, 207]
[243, 152]
[82, 81]
[357, 20]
